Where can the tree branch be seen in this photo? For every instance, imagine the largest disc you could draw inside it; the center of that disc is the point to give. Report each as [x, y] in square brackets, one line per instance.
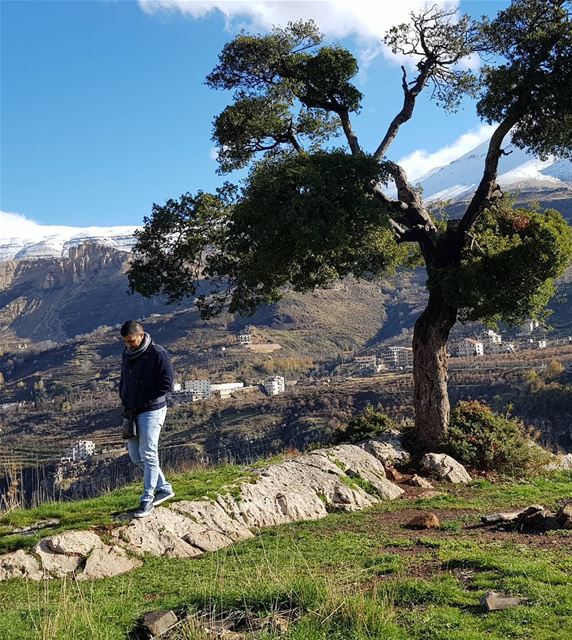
[349, 132]
[488, 191]
[409, 98]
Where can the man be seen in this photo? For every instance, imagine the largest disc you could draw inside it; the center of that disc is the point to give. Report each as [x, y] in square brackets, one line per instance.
[146, 378]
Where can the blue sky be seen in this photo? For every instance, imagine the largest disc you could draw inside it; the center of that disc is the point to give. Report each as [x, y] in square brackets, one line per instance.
[104, 109]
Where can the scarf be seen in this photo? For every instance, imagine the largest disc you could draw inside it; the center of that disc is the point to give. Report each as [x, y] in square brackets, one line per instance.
[145, 344]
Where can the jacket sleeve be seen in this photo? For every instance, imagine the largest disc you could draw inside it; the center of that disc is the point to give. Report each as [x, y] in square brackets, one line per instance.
[121, 378]
[164, 373]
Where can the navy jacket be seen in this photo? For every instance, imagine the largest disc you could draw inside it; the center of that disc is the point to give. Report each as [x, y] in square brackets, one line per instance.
[146, 380]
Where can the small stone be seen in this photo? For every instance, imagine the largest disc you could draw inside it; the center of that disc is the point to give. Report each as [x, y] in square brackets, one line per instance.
[493, 601]
[395, 475]
[424, 521]
[76, 542]
[418, 481]
[507, 516]
[157, 622]
[565, 511]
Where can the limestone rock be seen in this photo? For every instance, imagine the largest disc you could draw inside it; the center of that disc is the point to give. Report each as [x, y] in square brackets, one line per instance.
[418, 481]
[76, 542]
[566, 462]
[19, 564]
[213, 517]
[424, 521]
[493, 601]
[106, 561]
[445, 468]
[57, 564]
[159, 534]
[507, 516]
[158, 622]
[387, 448]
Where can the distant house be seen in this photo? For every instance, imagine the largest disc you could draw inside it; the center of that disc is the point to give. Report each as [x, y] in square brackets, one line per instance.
[200, 389]
[81, 450]
[469, 347]
[541, 344]
[245, 336]
[398, 357]
[274, 385]
[225, 389]
[530, 326]
[366, 361]
[492, 341]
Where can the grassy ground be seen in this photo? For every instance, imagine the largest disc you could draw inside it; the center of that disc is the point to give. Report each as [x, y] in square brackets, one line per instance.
[351, 576]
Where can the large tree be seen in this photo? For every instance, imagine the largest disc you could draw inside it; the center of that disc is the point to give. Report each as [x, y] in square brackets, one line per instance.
[310, 213]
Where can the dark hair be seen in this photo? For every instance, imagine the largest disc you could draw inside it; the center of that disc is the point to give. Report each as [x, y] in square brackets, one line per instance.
[131, 327]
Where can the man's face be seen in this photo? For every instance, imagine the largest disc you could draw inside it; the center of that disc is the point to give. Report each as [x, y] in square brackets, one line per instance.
[133, 341]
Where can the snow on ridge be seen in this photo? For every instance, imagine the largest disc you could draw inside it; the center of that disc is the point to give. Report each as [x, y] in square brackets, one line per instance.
[531, 170]
[51, 241]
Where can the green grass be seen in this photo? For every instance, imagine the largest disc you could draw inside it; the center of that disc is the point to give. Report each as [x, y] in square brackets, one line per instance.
[353, 576]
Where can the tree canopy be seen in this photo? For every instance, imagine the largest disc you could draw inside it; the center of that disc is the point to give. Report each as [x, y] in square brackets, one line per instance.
[315, 206]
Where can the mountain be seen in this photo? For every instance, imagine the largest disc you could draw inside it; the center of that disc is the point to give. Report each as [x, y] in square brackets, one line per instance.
[531, 179]
[50, 241]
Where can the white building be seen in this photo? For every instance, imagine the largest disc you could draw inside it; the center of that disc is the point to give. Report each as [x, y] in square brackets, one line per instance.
[245, 339]
[492, 341]
[398, 357]
[225, 389]
[176, 387]
[366, 362]
[541, 344]
[82, 449]
[469, 347]
[274, 385]
[201, 389]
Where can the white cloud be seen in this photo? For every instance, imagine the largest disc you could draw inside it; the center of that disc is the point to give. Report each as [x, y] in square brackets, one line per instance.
[366, 20]
[213, 153]
[420, 162]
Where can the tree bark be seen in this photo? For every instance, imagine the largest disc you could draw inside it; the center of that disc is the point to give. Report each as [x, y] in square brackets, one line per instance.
[431, 400]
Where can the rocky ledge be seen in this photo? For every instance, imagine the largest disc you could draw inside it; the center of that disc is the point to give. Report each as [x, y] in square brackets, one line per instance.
[346, 478]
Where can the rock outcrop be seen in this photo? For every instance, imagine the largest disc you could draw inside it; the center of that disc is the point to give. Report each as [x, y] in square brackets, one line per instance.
[345, 478]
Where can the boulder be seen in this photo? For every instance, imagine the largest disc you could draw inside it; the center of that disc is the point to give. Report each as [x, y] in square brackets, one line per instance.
[445, 468]
[57, 564]
[387, 448]
[19, 564]
[74, 542]
[159, 534]
[106, 561]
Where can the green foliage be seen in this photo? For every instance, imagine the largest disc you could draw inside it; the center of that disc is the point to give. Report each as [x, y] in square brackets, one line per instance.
[509, 272]
[484, 440]
[533, 39]
[370, 423]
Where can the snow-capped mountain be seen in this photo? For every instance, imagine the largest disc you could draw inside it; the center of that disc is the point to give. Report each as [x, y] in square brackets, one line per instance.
[518, 171]
[31, 240]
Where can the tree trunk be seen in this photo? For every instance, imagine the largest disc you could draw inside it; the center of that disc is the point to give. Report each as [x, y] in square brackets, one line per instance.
[431, 400]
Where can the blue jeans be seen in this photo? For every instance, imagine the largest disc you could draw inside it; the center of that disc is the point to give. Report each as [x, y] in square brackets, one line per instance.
[144, 451]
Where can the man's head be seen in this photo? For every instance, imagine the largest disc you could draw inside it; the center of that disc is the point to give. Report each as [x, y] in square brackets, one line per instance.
[132, 333]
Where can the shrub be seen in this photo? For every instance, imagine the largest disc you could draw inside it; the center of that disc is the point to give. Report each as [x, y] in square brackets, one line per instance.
[370, 423]
[482, 439]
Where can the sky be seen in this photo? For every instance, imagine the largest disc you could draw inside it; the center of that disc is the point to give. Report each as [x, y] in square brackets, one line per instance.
[104, 109]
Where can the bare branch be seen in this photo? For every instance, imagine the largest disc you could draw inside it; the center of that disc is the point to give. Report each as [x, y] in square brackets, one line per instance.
[349, 132]
[488, 191]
